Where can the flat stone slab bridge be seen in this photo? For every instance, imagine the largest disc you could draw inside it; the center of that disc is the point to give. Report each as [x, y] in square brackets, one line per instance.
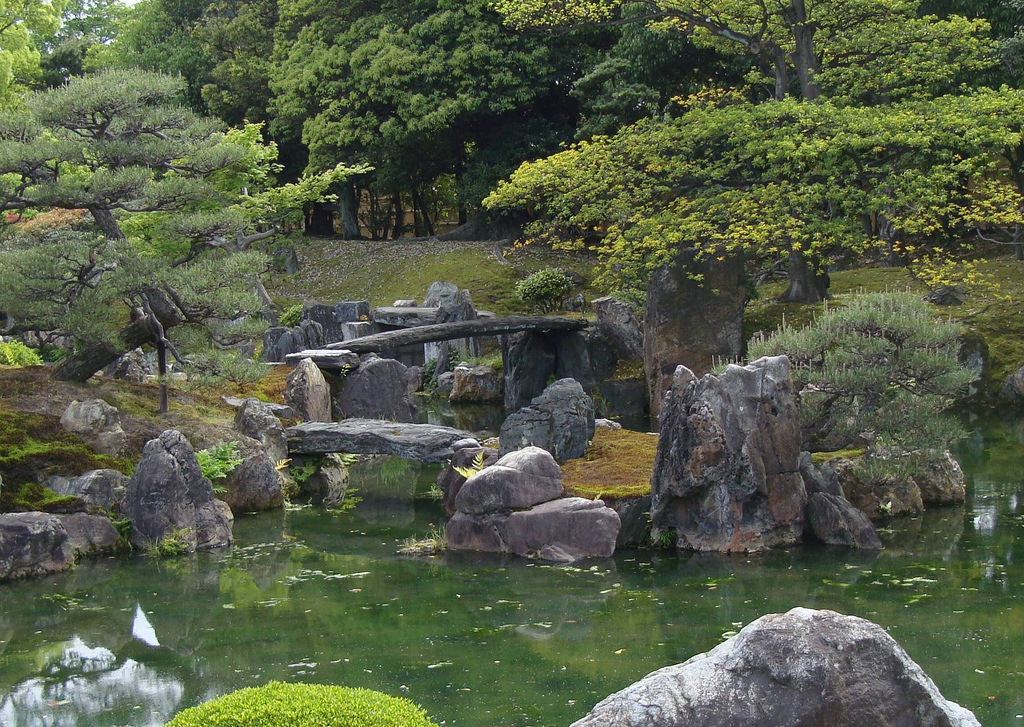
[336, 354]
[420, 442]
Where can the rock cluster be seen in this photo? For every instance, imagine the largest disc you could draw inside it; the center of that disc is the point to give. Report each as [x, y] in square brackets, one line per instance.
[101, 488]
[804, 667]
[168, 496]
[726, 476]
[560, 420]
[97, 423]
[830, 517]
[256, 419]
[475, 384]
[280, 341]
[516, 506]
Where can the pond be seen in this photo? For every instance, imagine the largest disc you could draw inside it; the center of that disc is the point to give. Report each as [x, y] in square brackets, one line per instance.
[323, 597]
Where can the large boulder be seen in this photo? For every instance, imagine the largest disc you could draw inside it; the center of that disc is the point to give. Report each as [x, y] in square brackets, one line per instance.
[834, 521]
[475, 384]
[33, 544]
[352, 311]
[308, 393]
[254, 485]
[1012, 390]
[528, 361]
[97, 423]
[819, 479]
[878, 497]
[280, 341]
[461, 309]
[560, 420]
[587, 356]
[169, 497]
[450, 480]
[379, 389]
[941, 481]
[619, 324]
[326, 317]
[804, 667]
[90, 534]
[518, 480]
[102, 488]
[257, 420]
[693, 316]
[727, 473]
[440, 293]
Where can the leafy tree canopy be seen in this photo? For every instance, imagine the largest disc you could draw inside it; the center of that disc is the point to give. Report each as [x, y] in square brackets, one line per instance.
[19, 56]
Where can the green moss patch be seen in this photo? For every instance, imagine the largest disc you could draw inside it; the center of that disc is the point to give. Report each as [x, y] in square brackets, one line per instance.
[33, 446]
[32, 497]
[852, 453]
[618, 464]
[304, 705]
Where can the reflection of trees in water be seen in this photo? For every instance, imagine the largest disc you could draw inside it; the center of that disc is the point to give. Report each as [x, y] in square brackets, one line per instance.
[85, 682]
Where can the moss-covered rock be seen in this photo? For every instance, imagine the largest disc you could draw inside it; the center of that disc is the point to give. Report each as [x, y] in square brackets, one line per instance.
[304, 705]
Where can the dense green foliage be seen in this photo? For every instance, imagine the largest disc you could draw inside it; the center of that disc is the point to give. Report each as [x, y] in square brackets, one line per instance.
[545, 289]
[883, 363]
[15, 353]
[218, 461]
[303, 705]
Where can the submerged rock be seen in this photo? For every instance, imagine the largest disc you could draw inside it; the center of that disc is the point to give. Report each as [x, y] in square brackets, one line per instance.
[33, 544]
[168, 496]
[560, 420]
[804, 667]
[97, 423]
[727, 473]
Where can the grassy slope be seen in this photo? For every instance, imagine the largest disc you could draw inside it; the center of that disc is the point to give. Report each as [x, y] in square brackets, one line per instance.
[384, 271]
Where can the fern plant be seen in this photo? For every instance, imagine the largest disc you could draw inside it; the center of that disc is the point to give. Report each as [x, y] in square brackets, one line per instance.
[475, 466]
[218, 461]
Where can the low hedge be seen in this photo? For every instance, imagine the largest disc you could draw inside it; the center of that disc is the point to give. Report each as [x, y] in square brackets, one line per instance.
[303, 705]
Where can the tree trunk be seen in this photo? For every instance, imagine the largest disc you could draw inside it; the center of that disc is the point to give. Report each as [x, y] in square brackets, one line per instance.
[422, 207]
[269, 311]
[806, 285]
[105, 221]
[1018, 251]
[96, 357]
[348, 207]
[161, 370]
[804, 57]
[399, 228]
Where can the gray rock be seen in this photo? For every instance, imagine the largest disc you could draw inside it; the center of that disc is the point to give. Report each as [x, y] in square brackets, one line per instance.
[586, 356]
[620, 325]
[464, 456]
[33, 544]
[560, 420]
[693, 315]
[974, 356]
[404, 303]
[102, 488]
[90, 534]
[834, 521]
[941, 482]
[286, 260]
[129, 367]
[818, 479]
[606, 424]
[279, 341]
[476, 384]
[627, 397]
[256, 419]
[878, 498]
[97, 423]
[461, 309]
[325, 316]
[357, 329]
[168, 495]
[803, 667]
[439, 294]
[445, 384]
[403, 317]
[635, 521]
[467, 443]
[338, 360]
[379, 389]
[518, 480]
[528, 361]
[308, 393]
[327, 485]
[281, 411]
[1012, 390]
[420, 442]
[414, 377]
[947, 295]
[560, 530]
[352, 311]
[254, 485]
[726, 476]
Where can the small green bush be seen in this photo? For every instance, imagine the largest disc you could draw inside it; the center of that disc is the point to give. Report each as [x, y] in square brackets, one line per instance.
[16, 353]
[219, 460]
[303, 705]
[292, 316]
[545, 289]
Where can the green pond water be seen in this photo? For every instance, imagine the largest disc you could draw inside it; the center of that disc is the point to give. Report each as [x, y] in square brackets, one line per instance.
[322, 597]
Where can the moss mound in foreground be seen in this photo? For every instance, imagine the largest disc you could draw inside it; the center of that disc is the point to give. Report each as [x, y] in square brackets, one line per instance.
[619, 463]
[303, 705]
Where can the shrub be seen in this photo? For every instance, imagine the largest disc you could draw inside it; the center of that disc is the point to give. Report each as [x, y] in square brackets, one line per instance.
[292, 316]
[217, 461]
[303, 705]
[15, 353]
[545, 289]
[884, 363]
